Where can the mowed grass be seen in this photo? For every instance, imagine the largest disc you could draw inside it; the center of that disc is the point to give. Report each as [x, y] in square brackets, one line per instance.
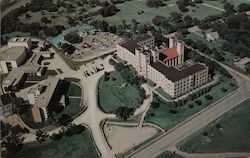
[167, 154]
[112, 95]
[232, 135]
[166, 120]
[76, 146]
[74, 90]
[129, 10]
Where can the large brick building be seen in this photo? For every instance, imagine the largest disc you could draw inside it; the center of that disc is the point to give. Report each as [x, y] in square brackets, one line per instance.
[161, 66]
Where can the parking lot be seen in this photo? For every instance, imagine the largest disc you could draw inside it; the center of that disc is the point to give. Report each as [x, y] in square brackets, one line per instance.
[93, 67]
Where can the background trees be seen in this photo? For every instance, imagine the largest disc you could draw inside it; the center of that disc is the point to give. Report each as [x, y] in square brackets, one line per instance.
[73, 38]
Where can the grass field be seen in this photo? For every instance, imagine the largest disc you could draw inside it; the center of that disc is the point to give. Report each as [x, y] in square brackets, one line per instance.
[79, 145]
[168, 154]
[163, 118]
[230, 133]
[111, 96]
[74, 90]
[129, 10]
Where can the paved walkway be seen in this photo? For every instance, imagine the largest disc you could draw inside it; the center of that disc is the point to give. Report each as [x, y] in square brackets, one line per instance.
[211, 6]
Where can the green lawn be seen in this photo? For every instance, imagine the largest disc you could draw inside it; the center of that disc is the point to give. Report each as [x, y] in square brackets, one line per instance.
[230, 133]
[74, 90]
[129, 10]
[163, 118]
[112, 96]
[72, 109]
[168, 154]
[76, 146]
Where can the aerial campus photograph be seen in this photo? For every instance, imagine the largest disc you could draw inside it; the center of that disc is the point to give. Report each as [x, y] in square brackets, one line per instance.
[125, 79]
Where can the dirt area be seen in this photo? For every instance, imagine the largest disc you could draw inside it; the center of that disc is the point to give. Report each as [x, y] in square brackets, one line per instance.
[122, 139]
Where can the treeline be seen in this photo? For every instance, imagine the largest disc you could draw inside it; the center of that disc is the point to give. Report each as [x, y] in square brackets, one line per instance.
[211, 64]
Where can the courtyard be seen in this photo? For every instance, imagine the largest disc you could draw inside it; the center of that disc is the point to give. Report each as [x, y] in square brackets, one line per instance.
[116, 92]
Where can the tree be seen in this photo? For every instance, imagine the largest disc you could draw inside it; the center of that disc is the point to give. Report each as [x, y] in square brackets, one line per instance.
[182, 5]
[243, 7]
[68, 48]
[45, 20]
[108, 10]
[155, 3]
[142, 93]
[73, 37]
[124, 112]
[155, 105]
[229, 7]
[208, 97]
[41, 136]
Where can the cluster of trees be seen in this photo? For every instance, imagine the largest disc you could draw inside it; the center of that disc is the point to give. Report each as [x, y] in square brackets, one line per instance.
[205, 49]
[11, 23]
[211, 64]
[176, 22]
[155, 3]
[68, 48]
[243, 7]
[68, 131]
[73, 37]
[39, 5]
[108, 9]
[11, 137]
[124, 112]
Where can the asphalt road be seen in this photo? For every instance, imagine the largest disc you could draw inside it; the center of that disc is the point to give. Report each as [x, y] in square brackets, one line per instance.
[200, 120]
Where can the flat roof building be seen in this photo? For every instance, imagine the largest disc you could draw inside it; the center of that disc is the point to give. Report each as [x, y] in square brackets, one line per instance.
[14, 80]
[160, 66]
[12, 58]
[20, 41]
[42, 98]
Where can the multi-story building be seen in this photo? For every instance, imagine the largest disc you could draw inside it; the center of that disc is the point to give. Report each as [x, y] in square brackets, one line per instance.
[12, 58]
[20, 42]
[44, 97]
[160, 66]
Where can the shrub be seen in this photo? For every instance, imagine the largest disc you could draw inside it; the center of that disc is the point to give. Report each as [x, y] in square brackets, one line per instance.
[155, 105]
[208, 97]
[223, 89]
[198, 102]
[190, 106]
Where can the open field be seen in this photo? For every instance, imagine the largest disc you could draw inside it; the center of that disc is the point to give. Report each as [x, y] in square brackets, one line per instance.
[168, 154]
[129, 10]
[79, 145]
[74, 90]
[230, 133]
[112, 95]
[162, 117]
